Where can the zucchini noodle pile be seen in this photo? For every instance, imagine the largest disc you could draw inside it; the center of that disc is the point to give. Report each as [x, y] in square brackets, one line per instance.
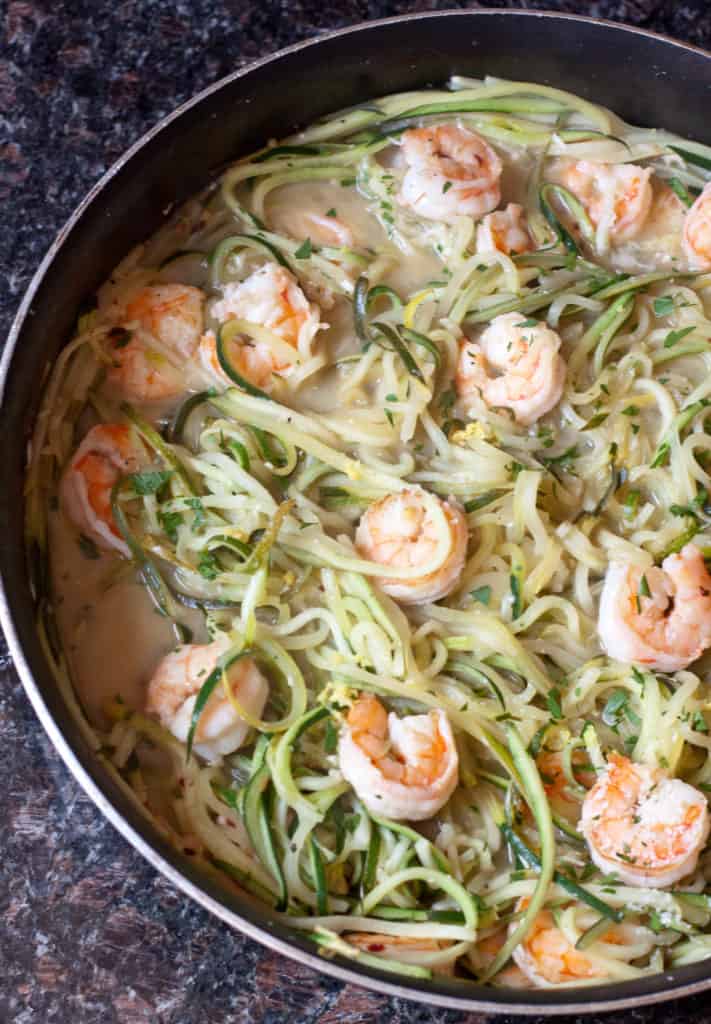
[240, 523]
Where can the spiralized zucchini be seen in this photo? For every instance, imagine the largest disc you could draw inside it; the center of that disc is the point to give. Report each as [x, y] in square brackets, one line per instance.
[243, 523]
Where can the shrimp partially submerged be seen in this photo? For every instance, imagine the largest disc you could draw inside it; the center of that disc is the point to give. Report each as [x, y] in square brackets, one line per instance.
[176, 682]
[657, 617]
[646, 827]
[531, 371]
[504, 231]
[270, 297]
[451, 173]
[696, 240]
[617, 197]
[159, 330]
[107, 452]
[401, 768]
[400, 531]
[548, 958]
[402, 948]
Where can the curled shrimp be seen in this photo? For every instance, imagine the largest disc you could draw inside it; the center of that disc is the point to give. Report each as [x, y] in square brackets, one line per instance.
[657, 617]
[107, 452]
[451, 173]
[696, 239]
[646, 827]
[548, 958]
[617, 197]
[176, 682]
[159, 330]
[403, 948]
[399, 531]
[531, 372]
[270, 297]
[504, 231]
[401, 768]
[323, 229]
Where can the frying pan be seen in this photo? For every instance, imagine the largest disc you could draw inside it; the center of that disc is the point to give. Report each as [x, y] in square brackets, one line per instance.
[644, 77]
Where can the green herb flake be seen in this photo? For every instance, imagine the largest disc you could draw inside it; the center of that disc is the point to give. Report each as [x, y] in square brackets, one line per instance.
[208, 567]
[698, 722]
[170, 521]
[674, 336]
[643, 589]
[614, 707]
[149, 482]
[482, 595]
[528, 323]
[304, 251]
[446, 187]
[663, 306]
[331, 212]
[199, 509]
[631, 410]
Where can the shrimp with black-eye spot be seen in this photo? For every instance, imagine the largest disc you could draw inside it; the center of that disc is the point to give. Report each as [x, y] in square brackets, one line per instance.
[696, 239]
[272, 298]
[158, 331]
[174, 687]
[451, 172]
[658, 617]
[644, 826]
[107, 452]
[400, 531]
[515, 364]
[401, 768]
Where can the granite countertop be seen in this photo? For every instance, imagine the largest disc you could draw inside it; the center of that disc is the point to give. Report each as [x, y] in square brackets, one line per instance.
[89, 932]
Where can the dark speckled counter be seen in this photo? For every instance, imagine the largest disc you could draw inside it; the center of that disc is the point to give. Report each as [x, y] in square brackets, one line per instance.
[89, 933]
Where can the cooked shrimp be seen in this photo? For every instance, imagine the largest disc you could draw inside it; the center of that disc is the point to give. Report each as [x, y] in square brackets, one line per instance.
[399, 531]
[401, 768]
[531, 370]
[400, 947]
[176, 682]
[617, 197]
[483, 954]
[546, 956]
[504, 231]
[451, 173]
[159, 329]
[646, 827]
[323, 229]
[657, 617]
[107, 452]
[696, 240]
[271, 298]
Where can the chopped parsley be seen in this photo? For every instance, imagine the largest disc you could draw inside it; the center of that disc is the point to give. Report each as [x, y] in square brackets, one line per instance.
[663, 306]
[482, 595]
[305, 250]
[149, 482]
[674, 336]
